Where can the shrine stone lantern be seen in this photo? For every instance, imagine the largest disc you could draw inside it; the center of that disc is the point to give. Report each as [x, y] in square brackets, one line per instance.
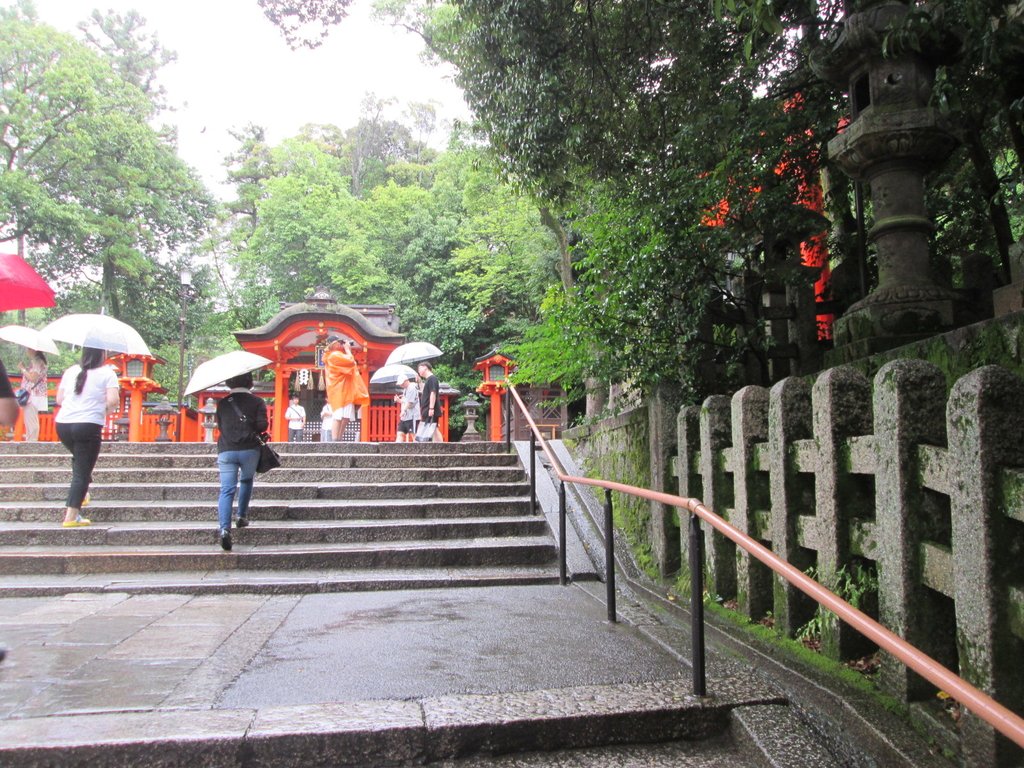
[166, 414]
[893, 138]
[209, 411]
[471, 435]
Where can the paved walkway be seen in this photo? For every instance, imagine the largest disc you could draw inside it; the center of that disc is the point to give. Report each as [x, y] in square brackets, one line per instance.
[435, 669]
[114, 652]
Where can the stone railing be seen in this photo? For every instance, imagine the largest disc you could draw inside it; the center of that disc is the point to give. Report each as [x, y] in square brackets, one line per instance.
[895, 478]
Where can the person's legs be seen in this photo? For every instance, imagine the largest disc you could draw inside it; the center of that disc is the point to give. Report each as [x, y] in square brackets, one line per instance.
[31, 416]
[83, 441]
[247, 461]
[338, 429]
[228, 465]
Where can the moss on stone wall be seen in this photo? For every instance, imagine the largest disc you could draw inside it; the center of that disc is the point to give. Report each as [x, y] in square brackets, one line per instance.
[957, 353]
[617, 449]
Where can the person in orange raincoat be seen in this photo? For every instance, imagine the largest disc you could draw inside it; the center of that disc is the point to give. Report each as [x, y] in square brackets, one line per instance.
[345, 387]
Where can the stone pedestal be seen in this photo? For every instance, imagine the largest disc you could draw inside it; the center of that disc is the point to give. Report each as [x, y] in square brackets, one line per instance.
[1010, 298]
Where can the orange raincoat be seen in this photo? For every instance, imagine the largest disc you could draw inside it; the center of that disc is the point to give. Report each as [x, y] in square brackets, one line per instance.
[344, 384]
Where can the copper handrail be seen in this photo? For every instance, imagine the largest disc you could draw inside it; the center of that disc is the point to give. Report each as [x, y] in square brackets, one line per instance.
[984, 706]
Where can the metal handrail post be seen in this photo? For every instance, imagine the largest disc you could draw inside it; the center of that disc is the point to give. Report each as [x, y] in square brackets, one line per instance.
[561, 534]
[508, 421]
[697, 606]
[533, 474]
[609, 555]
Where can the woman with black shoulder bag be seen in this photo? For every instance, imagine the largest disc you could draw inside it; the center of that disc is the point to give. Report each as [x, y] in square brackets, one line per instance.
[241, 418]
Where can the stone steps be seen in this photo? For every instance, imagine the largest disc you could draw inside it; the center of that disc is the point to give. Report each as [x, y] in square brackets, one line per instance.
[511, 550]
[219, 581]
[121, 475]
[163, 510]
[297, 493]
[261, 533]
[294, 460]
[341, 513]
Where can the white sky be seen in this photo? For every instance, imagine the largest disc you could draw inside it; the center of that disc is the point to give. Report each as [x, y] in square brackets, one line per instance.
[235, 68]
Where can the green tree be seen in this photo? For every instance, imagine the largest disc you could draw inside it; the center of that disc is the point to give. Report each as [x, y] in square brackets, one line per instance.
[99, 194]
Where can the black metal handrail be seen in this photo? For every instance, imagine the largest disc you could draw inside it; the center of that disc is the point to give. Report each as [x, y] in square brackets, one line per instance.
[984, 706]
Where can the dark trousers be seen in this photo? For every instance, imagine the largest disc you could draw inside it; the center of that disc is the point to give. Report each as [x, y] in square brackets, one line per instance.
[83, 440]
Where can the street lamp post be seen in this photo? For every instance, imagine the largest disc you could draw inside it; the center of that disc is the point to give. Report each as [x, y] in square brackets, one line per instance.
[185, 277]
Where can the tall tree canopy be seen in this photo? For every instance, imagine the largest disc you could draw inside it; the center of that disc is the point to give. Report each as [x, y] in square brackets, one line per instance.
[97, 194]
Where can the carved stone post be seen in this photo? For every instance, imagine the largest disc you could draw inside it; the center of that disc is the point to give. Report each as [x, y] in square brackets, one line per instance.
[750, 428]
[715, 434]
[986, 425]
[910, 406]
[792, 492]
[841, 399]
[661, 431]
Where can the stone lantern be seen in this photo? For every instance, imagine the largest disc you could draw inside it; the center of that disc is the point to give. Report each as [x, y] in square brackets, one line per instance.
[166, 413]
[893, 138]
[471, 435]
[209, 411]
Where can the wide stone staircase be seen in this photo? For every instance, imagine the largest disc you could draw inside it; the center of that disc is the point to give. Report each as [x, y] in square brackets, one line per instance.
[334, 517]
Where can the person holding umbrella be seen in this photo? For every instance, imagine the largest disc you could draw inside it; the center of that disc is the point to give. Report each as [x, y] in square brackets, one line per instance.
[87, 392]
[345, 387]
[33, 380]
[241, 416]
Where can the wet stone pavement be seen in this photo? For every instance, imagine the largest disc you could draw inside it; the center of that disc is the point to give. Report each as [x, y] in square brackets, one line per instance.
[90, 653]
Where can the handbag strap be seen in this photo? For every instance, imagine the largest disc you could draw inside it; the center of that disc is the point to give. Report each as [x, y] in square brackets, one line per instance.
[243, 419]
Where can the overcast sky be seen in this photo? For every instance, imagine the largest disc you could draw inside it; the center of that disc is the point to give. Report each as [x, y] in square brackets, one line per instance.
[234, 68]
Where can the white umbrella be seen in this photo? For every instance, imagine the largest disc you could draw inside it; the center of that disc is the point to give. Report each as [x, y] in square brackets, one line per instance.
[98, 332]
[413, 352]
[223, 367]
[391, 373]
[29, 338]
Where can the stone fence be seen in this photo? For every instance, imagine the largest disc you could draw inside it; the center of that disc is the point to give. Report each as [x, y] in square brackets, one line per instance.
[895, 478]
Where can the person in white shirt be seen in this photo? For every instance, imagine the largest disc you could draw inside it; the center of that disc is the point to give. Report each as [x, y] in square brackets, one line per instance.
[296, 416]
[409, 401]
[326, 423]
[86, 394]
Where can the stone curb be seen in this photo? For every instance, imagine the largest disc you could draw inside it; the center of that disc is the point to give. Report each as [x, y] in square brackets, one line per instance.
[377, 733]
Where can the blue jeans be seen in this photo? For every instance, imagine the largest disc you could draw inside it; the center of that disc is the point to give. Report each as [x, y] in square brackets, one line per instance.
[230, 464]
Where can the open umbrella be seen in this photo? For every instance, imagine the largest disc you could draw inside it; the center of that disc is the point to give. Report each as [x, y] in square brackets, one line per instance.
[223, 367]
[29, 338]
[21, 287]
[97, 332]
[413, 352]
[389, 374]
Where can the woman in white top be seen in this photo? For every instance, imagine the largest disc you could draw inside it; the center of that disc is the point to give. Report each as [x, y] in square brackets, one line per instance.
[33, 378]
[86, 394]
[326, 422]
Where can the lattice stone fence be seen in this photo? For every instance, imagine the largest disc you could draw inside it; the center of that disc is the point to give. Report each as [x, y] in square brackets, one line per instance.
[892, 475]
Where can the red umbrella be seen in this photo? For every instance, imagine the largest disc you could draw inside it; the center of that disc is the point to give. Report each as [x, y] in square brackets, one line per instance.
[21, 287]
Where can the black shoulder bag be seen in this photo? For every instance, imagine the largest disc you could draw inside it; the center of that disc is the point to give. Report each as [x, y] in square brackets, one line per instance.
[269, 458]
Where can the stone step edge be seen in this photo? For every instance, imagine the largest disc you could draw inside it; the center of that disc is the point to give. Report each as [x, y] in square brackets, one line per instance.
[151, 584]
[376, 733]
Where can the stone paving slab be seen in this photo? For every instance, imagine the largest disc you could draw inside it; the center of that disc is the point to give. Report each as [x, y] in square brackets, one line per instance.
[366, 733]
